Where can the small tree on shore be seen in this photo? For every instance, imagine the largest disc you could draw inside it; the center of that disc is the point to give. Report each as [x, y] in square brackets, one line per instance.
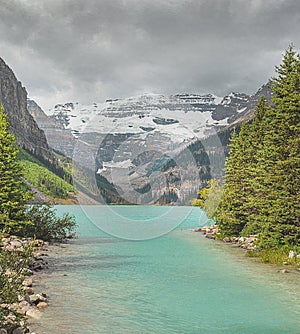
[232, 213]
[13, 193]
[209, 198]
[48, 226]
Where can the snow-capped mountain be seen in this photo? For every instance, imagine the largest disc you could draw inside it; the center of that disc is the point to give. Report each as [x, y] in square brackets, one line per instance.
[180, 117]
[127, 140]
[142, 145]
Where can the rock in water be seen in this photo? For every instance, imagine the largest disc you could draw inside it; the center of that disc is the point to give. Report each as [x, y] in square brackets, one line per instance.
[42, 305]
[18, 330]
[34, 314]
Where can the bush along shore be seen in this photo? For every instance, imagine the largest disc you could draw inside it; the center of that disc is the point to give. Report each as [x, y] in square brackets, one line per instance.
[285, 256]
[21, 259]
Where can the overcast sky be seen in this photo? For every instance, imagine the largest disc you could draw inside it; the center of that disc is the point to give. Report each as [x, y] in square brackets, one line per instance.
[89, 50]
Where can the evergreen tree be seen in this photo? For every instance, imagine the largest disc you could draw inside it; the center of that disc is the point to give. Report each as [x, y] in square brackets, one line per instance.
[262, 189]
[232, 213]
[13, 195]
[255, 202]
[280, 160]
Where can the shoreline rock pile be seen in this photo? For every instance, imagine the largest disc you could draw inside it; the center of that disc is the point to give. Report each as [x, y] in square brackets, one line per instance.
[30, 303]
[211, 232]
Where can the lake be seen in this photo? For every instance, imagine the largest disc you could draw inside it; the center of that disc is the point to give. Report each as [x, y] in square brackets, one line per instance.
[179, 282]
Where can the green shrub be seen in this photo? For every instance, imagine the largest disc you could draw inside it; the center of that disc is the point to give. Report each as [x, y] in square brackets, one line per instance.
[277, 256]
[47, 225]
[13, 267]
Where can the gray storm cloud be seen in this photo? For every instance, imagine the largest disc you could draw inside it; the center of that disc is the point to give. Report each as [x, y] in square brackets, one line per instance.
[90, 50]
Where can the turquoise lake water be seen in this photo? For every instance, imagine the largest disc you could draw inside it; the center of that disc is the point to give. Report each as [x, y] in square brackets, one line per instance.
[177, 283]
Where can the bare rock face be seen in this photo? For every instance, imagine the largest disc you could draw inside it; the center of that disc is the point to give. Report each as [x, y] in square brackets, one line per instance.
[248, 112]
[14, 99]
[59, 138]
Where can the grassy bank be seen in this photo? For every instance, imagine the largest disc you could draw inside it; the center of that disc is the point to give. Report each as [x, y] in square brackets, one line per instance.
[279, 256]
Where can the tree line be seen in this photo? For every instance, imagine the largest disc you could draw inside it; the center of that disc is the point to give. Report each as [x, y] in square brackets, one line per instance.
[261, 190]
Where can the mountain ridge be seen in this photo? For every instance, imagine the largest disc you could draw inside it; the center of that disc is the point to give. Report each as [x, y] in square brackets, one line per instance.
[130, 137]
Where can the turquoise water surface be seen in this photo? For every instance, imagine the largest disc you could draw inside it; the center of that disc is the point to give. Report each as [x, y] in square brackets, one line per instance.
[177, 283]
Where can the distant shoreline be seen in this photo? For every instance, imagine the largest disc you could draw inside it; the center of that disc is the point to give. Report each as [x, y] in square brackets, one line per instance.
[245, 244]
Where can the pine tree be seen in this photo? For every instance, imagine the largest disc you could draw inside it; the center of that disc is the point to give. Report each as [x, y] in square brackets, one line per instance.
[280, 160]
[262, 189]
[255, 202]
[232, 213]
[13, 195]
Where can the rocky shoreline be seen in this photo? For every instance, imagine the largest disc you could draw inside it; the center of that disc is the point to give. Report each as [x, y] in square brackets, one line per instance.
[30, 303]
[247, 243]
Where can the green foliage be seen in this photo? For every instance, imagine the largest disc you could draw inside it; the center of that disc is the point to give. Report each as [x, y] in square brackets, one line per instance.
[209, 198]
[12, 274]
[13, 267]
[280, 159]
[232, 214]
[42, 178]
[278, 256]
[262, 188]
[47, 225]
[13, 195]
[15, 218]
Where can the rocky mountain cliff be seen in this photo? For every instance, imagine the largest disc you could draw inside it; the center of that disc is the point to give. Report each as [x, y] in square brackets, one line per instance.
[13, 97]
[263, 91]
[29, 127]
[58, 138]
